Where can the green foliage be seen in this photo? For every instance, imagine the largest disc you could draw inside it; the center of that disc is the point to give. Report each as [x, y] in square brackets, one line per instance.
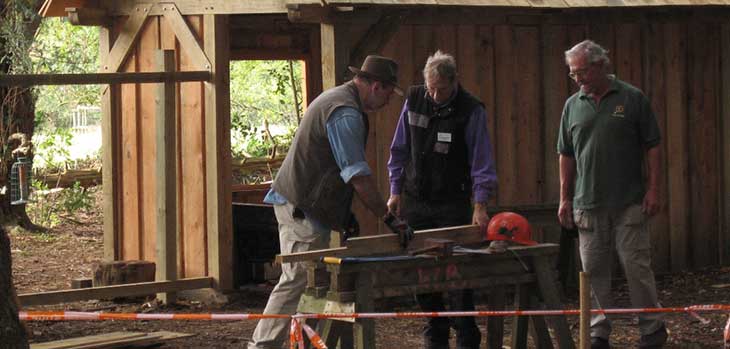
[15, 23]
[74, 199]
[256, 142]
[263, 93]
[48, 206]
[41, 210]
[52, 149]
[60, 47]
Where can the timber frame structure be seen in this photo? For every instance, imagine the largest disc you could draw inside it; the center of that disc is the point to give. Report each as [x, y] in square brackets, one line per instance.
[510, 54]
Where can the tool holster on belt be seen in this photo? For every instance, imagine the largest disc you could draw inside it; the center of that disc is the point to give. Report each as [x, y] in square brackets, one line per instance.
[352, 228]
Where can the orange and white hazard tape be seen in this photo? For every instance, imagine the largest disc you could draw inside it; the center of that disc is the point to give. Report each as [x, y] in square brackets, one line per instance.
[90, 316]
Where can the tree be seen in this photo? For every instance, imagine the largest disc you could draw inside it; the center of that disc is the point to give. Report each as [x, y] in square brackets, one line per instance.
[18, 21]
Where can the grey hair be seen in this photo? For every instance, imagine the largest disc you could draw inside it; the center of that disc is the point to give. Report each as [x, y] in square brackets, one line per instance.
[442, 65]
[595, 53]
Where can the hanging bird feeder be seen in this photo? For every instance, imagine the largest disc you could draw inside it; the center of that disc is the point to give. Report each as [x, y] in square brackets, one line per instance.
[20, 181]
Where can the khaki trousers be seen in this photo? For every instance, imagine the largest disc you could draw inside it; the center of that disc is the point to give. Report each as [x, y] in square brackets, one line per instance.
[624, 229]
[295, 235]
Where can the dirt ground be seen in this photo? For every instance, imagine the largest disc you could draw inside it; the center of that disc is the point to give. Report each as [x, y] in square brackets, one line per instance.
[45, 262]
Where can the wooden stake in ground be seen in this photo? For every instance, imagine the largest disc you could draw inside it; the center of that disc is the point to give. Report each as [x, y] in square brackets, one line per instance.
[585, 311]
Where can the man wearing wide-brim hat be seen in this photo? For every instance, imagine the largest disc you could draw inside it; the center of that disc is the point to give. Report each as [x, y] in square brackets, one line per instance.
[324, 168]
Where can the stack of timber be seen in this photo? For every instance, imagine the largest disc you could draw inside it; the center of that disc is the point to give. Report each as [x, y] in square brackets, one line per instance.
[113, 340]
[390, 244]
[65, 179]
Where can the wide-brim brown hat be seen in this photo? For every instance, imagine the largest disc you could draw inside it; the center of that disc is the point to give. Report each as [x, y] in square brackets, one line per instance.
[380, 68]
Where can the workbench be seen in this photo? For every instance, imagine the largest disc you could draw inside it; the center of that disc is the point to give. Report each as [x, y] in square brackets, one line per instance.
[354, 287]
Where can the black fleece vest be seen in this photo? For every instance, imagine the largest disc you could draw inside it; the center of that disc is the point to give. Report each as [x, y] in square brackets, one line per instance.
[439, 169]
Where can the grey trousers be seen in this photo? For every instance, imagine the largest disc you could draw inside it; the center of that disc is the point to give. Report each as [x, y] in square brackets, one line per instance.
[295, 235]
[602, 230]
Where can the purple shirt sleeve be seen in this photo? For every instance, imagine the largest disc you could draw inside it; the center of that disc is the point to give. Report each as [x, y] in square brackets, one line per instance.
[400, 152]
[479, 154]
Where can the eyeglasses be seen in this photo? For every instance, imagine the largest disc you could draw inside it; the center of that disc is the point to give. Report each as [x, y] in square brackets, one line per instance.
[580, 72]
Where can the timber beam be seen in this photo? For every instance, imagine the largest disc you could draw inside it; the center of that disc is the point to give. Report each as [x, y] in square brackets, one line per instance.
[105, 292]
[88, 16]
[389, 243]
[210, 7]
[103, 78]
[377, 35]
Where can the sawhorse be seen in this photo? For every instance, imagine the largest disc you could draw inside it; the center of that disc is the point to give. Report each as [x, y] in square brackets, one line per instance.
[350, 288]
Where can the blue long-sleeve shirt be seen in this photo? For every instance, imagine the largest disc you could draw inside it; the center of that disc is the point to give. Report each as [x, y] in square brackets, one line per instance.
[479, 155]
[346, 134]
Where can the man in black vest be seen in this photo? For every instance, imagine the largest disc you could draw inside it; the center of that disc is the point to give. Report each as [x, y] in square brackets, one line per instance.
[440, 162]
[313, 191]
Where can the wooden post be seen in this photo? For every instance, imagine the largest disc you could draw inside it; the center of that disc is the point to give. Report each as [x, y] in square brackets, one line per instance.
[110, 144]
[335, 55]
[218, 153]
[166, 173]
[724, 242]
[585, 311]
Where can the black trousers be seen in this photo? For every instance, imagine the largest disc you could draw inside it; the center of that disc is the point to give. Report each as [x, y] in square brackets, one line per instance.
[428, 215]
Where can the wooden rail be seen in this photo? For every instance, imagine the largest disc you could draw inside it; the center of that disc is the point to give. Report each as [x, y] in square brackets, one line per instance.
[138, 289]
[102, 78]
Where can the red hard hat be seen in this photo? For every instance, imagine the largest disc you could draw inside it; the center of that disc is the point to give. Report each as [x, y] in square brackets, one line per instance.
[510, 226]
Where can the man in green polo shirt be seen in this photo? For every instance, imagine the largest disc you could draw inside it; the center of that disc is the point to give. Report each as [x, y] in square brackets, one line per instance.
[607, 132]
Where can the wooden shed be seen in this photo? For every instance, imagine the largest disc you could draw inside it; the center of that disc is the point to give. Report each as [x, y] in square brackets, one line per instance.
[510, 54]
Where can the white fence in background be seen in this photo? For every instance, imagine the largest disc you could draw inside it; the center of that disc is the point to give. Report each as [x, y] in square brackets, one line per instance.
[85, 119]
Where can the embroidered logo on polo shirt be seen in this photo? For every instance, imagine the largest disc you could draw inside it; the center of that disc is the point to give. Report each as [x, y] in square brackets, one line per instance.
[619, 111]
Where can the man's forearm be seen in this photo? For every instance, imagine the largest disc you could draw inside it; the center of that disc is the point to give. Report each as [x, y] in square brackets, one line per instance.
[368, 192]
[653, 162]
[567, 178]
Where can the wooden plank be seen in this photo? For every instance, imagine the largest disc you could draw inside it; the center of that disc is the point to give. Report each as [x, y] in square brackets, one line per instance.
[169, 42]
[495, 324]
[57, 8]
[506, 130]
[126, 40]
[335, 54]
[724, 238]
[88, 16]
[675, 45]
[189, 42]
[387, 122]
[547, 283]
[217, 150]
[703, 131]
[101, 78]
[363, 330]
[655, 89]
[124, 7]
[487, 84]
[88, 340]
[555, 92]
[166, 174]
[466, 58]
[130, 165]
[628, 62]
[423, 46]
[149, 44]
[445, 38]
[110, 158]
[388, 243]
[193, 167]
[377, 36]
[528, 161]
[128, 290]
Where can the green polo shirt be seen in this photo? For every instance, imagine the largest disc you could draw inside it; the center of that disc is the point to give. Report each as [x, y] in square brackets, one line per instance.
[608, 142]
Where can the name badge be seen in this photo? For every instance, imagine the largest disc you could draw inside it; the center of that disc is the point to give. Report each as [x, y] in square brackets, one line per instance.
[443, 137]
